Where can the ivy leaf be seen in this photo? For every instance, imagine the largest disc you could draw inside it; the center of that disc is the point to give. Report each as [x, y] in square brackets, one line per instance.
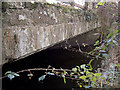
[96, 6]
[116, 31]
[83, 77]
[80, 85]
[115, 42]
[102, 78]
[90, 52]
[76, 77]
[109, 41]
[71, 74]
[105, 55]
[82, 66]
[65, 47]
[101, 3]
[94, 79]
[15, 74]
[104, 47]
[30, 75]
[102, 51]
[85, 69]
[87, 86]
[64, 80]
[97, 74]
[96, 43]
[50, 73]
[82, 72]
[11, 76]
[12, 73]
[53, 69]
[41, 78]
[90, 62]
[74, 69]
[90, 76]
[8, 72]
[109, 35]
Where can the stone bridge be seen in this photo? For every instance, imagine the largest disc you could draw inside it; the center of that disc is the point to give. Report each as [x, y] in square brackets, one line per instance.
[31, 27]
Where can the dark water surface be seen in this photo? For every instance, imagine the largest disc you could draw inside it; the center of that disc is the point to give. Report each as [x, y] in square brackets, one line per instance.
[56, 57]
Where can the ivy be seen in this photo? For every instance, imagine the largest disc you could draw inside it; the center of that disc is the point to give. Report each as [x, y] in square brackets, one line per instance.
[41, 78]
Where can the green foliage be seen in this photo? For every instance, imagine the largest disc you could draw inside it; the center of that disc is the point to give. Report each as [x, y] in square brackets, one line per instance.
[101, 3]
[102, 47]
[5, 5]
[41, 78]
[11, 74]
[96, 43]
[30, 75]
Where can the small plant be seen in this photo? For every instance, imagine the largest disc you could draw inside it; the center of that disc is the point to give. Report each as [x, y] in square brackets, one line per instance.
[81, 74]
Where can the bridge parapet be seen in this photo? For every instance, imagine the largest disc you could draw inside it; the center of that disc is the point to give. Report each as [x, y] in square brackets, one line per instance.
[28, 29]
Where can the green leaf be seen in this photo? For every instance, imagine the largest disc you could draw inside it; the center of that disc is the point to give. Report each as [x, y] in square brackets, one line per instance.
[116, 31]
[65, 73]
[90, 52]
[90, 62]
[65, 47]
[8, 72]
[90, 76]
[86, 80]
[104, 47]
[87, 72]
[80, 85]
[15, 74]
[97, 74]
[109, 35]
[76, 76]
[115, 42]
[82, 66]
[101, 3]
[105, 55]
[50, 73]
[111, 42]
[94, 79]
[102, 51]
[64, 80]
[83, 77]
[11, 76]
[30, 75]
[77, 67]
[82, 72]
[87, 86]
[96, 6]
[102, 78]
[41, 78]
[53, 69]
[71, 74]
[74, 69]
[96, 43]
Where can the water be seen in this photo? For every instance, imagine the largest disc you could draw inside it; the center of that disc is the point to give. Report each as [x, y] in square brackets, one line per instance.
[56, 56]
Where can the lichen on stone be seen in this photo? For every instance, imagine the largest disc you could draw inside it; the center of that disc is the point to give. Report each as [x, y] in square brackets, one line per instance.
[21, 17]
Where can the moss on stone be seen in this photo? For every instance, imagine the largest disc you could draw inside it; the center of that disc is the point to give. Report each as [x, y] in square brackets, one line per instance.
[31, 6]
[65, 9]
[5, 5]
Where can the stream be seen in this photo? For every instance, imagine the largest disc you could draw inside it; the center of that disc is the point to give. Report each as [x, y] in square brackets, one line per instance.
[57, 56]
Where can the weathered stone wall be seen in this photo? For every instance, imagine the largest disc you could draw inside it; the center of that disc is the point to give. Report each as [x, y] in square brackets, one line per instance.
[28, 28]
